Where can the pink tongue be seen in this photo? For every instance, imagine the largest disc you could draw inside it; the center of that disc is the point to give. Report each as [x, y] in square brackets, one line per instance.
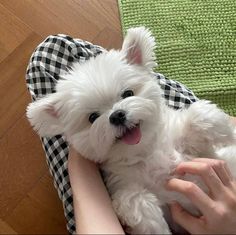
[132, 136]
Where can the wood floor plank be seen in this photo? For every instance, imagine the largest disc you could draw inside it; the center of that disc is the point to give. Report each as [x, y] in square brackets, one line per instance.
[34, 14]
[14, 97]
[108, 38]
[29, 203]
[71, 17]
[30, 218]
[3, 52]
[13, 112]
[22, 165]
[12, 31]
[53, 17]
[5, 228]
[46, 195]
[105, 13]
[42, 211]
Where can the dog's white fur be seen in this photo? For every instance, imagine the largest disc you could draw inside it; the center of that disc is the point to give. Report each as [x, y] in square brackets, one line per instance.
[134, 174]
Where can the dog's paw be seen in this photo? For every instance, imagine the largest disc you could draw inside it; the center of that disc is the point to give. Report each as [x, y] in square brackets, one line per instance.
[139, 211]
[207, 126]
[213, 121]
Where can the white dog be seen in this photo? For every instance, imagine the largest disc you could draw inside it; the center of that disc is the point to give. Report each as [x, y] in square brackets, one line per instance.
[111, 110]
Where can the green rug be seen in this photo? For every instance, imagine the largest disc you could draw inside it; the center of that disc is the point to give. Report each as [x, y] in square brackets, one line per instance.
[196, 43]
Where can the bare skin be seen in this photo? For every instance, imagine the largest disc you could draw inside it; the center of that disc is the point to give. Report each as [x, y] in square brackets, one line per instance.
[92, 206]
[234, 120]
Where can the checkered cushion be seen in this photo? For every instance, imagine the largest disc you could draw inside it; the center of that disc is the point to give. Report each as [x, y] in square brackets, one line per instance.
[49, 61]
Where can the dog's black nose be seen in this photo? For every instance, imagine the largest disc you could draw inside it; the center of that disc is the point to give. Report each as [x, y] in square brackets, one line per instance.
[118, 117]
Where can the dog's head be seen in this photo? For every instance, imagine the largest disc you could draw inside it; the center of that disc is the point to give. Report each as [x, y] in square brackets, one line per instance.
[110, 100]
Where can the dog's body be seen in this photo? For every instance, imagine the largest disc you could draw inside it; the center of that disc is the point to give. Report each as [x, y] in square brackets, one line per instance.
[111, 111]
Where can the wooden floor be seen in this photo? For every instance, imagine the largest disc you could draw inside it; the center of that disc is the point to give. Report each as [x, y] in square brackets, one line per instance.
[28, 201]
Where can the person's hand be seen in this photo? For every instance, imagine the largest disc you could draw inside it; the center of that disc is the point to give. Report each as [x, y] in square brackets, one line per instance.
[234, 120]
[218, 208]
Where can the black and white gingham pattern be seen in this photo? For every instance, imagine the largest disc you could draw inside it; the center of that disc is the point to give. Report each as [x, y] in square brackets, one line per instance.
[176, 94]
[48, 62]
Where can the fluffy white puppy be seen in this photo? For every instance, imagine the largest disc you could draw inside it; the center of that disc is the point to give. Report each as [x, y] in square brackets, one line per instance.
[111, 110]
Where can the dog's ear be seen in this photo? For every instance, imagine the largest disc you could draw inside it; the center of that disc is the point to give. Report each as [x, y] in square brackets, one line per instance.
[139, 46]
[43, 116]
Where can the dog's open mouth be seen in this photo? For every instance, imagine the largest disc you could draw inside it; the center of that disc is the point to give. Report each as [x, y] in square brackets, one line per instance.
[132, 135]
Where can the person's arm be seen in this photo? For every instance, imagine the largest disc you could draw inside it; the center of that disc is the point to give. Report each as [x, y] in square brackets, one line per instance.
[92, 205]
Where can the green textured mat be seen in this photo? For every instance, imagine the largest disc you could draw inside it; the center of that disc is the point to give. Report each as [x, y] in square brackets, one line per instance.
[196, 43]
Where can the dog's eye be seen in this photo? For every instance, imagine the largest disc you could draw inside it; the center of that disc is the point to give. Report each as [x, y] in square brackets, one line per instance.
[93, 117]
[127, 93]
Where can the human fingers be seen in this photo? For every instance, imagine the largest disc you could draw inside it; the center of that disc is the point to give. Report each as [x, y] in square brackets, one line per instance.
[206, 172]
[201, 200]
[220, 167]
[234, 120]
[183, 218]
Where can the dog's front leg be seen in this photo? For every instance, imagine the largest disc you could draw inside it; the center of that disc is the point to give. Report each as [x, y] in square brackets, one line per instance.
[139, 209]
[203, 126]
